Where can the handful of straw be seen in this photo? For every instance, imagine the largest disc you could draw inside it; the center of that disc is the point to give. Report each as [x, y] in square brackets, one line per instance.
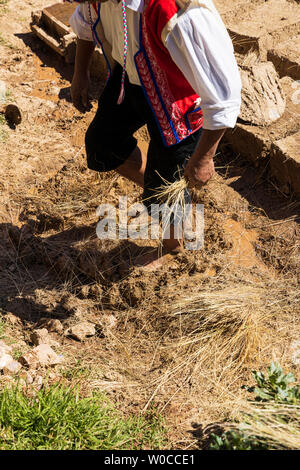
[176, 200]
[177, 193]
[173, 194]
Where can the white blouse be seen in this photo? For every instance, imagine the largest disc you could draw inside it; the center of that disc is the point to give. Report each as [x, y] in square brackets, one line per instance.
[198, 43]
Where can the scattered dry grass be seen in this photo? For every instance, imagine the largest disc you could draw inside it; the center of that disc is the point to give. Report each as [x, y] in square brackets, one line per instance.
[182, 340]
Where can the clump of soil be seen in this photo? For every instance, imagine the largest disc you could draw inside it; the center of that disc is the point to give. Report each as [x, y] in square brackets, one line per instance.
[184, 338]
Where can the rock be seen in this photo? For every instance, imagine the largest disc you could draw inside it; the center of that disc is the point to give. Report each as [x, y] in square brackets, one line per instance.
[54, 326]
[43, 355]
[4, 348]
[54, 90]
[38, 381]
[285, 57]
[81, 331]
[285, 163]
[7, 364]
[109, 321]
[263, 100]
[13, 115]
[41, 336]
[27, 377]
[5, 359]
[106, 324]
[29, 360]
[76, 307]
[12, 367]
[46, 355]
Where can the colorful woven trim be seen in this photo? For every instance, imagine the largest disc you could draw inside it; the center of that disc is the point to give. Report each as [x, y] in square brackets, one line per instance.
[122, 92]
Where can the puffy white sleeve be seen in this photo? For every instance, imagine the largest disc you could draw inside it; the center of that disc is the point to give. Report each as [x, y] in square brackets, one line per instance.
[201, 47]
[80, 22]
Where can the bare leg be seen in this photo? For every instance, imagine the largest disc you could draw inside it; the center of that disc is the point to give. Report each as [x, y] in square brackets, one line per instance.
[134, 169]
[156, 257]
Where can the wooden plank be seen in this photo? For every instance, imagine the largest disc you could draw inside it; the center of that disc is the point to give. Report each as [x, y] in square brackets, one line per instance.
[53, 25]
[50, 41]
[62, 12]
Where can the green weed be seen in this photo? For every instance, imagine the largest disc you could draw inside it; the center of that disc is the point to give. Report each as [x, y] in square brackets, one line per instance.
[271, 424]
[57, 418]
[276, 386]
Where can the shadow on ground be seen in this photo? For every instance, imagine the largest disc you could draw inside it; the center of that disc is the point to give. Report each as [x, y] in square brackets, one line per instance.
[255, 185]
[33, 266]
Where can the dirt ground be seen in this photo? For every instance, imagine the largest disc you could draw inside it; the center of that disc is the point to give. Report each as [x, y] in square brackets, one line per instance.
[149, 351]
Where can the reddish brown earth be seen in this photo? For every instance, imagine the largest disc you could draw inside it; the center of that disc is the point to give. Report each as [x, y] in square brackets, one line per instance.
[52, 265]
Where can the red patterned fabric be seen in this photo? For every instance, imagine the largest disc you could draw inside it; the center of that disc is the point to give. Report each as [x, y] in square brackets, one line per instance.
[173, 101]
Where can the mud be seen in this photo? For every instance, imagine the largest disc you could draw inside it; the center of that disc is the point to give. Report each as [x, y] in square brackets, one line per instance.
[52, 266]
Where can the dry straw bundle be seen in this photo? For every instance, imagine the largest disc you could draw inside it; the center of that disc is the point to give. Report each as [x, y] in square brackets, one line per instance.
[172, 194]
[221, 326]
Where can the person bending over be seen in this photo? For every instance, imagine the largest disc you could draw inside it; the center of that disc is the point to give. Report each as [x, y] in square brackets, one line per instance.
[175, 71]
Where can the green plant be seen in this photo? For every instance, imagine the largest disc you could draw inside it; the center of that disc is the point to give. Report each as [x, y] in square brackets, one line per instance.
[9, 95]
[271, 424]
[57, 418]
[276, 386]
[17, 353]
[235, 440]
[78, 370]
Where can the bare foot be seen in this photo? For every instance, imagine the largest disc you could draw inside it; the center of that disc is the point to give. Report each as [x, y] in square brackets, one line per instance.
[152, 260]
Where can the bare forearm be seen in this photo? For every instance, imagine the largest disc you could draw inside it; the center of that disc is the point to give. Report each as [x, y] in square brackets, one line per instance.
[84, 52]
[200, 167]
[208, 144]
[80, 82]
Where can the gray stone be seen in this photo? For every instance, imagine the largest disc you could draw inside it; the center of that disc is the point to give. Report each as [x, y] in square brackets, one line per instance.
[5, 359]
[12, 367]
[4, 348]
[43, 355]
[41, 336]
[81, 331]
